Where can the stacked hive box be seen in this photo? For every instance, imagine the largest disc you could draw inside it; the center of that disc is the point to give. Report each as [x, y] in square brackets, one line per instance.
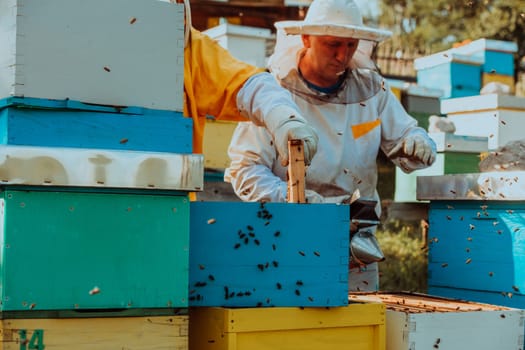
[498, 60]
[415, 321]
[476, 225]
[498, 117]
[465, 70]
[267, 276]
[94, 200]
[456, 74]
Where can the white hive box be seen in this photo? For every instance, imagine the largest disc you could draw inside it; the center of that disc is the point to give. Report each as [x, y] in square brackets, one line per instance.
[247, 44]
[501, 118]
[415, 321]
[118, 52]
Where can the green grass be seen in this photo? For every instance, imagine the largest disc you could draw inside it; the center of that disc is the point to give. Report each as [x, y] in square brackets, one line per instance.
[405, 266]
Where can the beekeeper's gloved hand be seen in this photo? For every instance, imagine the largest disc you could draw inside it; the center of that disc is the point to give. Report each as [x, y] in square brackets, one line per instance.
[285, 123]
[415, 147]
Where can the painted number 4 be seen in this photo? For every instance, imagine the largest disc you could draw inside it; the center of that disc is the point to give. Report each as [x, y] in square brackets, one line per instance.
[36, 342]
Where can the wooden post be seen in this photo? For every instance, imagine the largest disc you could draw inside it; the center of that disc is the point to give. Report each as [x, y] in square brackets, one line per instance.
[296, 172]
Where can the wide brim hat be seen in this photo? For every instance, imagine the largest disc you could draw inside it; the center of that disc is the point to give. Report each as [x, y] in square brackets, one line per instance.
[341, 18]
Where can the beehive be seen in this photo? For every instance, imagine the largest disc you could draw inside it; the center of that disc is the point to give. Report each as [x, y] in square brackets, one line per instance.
[97, 51]
[253, 254]
[498, 117]
[415, 321]
[476, 244]
[67, 123]
[102, 330]
[455, 74]
[358, 326]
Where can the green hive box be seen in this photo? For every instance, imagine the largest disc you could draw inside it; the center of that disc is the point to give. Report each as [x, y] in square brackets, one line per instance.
[82, 250]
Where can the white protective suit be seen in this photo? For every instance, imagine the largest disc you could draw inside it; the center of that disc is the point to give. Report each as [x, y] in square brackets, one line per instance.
[353, 124]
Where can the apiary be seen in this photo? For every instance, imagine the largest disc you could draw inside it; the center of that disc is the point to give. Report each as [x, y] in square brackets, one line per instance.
[416, 321]
[97, 51]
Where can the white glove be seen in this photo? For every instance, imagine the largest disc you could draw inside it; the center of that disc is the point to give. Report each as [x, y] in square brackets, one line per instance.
[314, 197]
[295, 129]
[415, 147]
[285, 123]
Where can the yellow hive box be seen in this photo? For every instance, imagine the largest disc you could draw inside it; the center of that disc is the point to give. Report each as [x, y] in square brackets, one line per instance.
[217, 136]
[358, 326]
[156, 332]
[499, 78]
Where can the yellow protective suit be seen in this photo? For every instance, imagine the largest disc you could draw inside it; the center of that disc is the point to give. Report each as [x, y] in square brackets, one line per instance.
[212, 79]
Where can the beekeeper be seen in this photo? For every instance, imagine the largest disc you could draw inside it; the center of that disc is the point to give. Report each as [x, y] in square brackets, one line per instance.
[216, 84]
[325, 62]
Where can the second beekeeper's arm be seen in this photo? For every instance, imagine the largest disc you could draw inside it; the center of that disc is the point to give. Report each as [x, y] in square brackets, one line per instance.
[221, 86]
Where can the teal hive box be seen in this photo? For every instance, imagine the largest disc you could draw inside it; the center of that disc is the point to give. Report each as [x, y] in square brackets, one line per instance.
[273, 254]
[78, 249]
[66, 123]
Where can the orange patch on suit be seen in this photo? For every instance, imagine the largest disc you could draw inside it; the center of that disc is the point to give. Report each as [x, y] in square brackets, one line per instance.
[359, 130]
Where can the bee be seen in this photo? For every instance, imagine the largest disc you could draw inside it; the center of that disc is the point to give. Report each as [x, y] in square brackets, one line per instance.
[123, 141]
[211, 277]
[251, 234]
[301, 253]
[236, 246]
[515, 288]
[211, 221]
[503, 122]
[362, 104]
[132, 20]
[247, 293]
[444, 265]
[274, 247]
[107, 69]
[260, 267]
[275, 263]
[256, 241]
[317, 254]
[279, 286]
[299, 283]
[491, 274]
[94, 291]
[311, 299]
[468, 261]
[297, 292]
[277, 233]
[249, 228]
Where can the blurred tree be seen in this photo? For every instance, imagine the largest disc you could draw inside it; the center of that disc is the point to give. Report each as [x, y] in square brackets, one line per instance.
[435, 25]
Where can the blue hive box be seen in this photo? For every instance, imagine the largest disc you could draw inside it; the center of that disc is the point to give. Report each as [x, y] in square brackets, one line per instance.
[476, 243]
[456, 75]
[274, 254]
[497, 55]
[65, 123]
